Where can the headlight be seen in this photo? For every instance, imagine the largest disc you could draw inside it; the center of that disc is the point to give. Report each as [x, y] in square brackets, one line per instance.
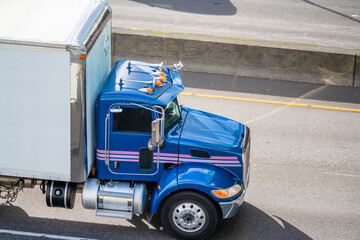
[227, 193]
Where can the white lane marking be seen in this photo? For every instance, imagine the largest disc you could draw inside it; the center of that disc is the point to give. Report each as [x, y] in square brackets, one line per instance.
[341, 174]
[32, 234]
[286, 106]
[266, 115]
[278, 220]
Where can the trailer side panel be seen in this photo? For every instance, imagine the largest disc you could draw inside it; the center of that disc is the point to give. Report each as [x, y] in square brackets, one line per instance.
[34, 112]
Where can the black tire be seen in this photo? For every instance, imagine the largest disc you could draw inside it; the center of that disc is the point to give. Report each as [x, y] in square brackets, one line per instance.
[189, 215]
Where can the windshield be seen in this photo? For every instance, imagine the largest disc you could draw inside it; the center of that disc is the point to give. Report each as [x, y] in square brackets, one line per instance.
[172, 113]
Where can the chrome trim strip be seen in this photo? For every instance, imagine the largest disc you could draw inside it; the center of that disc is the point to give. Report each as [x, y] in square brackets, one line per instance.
[230, 209]
[51, 193]
[246, 157]
[246, 139]
[77, 120]
[98, 26]
[65, 194]
[100, 202]
[32, 44]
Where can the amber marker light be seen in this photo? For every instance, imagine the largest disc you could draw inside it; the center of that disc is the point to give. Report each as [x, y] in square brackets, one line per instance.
[146, 90]
[150, 90]
[227, 193]
[159, 74]
[220, 193]
[82, 56]
[158, 83]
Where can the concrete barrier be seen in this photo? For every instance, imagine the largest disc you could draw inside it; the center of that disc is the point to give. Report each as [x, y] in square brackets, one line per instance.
[357, 72]
[272, 60]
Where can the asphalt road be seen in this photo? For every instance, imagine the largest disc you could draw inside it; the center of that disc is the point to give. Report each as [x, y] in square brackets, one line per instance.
[331, 23]
[305, 169]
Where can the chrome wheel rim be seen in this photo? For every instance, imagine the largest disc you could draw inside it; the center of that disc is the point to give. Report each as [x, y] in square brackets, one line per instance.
[189, 217]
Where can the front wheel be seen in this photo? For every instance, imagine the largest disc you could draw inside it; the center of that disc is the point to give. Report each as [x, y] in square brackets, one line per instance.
[189, 215]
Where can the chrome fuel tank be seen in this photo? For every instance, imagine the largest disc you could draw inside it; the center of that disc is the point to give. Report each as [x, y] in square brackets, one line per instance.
[114, 199]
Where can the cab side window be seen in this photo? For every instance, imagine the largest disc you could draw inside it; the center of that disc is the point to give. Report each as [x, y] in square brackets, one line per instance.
[132, 120]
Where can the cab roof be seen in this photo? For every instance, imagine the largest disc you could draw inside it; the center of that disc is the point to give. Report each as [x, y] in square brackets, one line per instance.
[127, 77]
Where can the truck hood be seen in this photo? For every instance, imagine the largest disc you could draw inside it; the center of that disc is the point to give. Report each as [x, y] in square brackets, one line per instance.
[211, 131]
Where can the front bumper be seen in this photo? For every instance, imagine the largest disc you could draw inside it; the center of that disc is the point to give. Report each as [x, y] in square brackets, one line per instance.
[230, 209]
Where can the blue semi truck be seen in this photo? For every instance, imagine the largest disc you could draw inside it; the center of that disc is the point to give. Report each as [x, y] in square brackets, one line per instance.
[118, 135]
[192, 166]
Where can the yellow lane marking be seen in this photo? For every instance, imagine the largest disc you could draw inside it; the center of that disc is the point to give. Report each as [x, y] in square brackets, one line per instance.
[319, 47]
[272, 102]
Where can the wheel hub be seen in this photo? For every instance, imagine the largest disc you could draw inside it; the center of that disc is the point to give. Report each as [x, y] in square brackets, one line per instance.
[189, 217]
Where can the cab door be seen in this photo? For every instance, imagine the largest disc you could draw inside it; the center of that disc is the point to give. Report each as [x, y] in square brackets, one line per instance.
[128, 134]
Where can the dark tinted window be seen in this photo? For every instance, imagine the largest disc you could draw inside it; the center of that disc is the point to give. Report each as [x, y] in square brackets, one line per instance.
[135, 120]
[172, 113]
[146, 159]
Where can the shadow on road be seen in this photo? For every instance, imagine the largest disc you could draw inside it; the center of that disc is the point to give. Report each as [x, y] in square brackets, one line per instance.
[250, 223]
[207, 7]
[16, 219]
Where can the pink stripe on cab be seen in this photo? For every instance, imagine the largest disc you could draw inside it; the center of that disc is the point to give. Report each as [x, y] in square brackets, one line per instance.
[228, 165]
[207, 161]
[118, 152]
[223, 157]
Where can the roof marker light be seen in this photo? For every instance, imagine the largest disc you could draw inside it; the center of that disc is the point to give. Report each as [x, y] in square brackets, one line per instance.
[146, 90]
[161, 74]
[163, 79]
[158, 83]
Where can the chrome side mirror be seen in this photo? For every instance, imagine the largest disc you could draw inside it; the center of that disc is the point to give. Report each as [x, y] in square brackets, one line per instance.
[178, 66]
[155, 134]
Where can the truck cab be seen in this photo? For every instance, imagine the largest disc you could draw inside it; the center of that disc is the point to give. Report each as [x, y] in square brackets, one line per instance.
[189, 166]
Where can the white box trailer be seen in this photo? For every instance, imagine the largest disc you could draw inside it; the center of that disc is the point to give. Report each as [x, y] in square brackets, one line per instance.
[54, 58]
